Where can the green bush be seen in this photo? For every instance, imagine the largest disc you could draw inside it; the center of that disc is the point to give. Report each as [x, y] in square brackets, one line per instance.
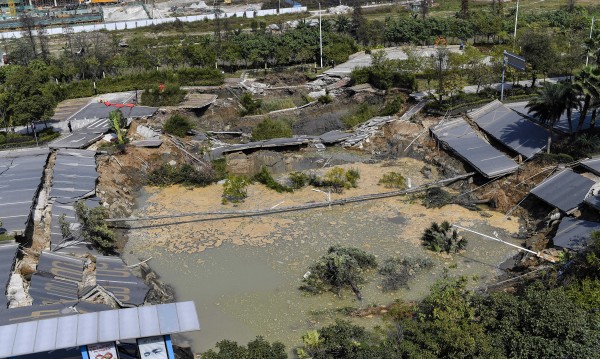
[325, 99]
[393, 107]
[268, 129]
[177, 125]
[298, 179]
[396, 272]
[235, 189]
[442, 237]
[265, 177]
[185, 174]
[394, 180]
[189, 76]
[352, 177]
[250, 105]
[220, 168]
[94, 228]
[172, 95]
[363, 113]
[436, 198]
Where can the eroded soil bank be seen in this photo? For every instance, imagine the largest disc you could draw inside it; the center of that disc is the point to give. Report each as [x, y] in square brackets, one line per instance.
[244, 273]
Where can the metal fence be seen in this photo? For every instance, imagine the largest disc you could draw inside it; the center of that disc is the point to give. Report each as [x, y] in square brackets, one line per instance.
[124, 25]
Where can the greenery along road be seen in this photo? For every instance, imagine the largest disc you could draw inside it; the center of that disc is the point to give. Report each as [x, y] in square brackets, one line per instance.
[190, 59]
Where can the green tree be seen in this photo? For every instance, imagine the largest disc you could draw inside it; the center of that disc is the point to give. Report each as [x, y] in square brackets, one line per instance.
[548, 105]
[258, 348]
[250, 104]
[442, 237]
[270, 128]
[94, 227]
[117, 123]
[587, 83]
[538, 49]
[539, 323]
[341, 267]
[235, 189]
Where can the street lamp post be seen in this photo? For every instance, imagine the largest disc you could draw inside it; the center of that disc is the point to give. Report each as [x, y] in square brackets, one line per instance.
[516, 21]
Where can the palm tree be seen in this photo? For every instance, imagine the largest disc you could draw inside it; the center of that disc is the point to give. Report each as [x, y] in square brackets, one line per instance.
[571, 100]
[548, 105]
[587, 83]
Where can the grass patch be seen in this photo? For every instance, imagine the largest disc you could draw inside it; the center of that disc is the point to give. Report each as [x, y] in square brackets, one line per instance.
[185, 174]
[276, 104]
[363, 113]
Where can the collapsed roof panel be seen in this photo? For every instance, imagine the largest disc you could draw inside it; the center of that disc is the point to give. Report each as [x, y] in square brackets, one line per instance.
[47, 290]
[593, 201]
[511, 129]
[574, 234]
[8, 252]
[463, 141]
[565, 190]
[21, 174]
[61, 266]
[593, 165]
[115, 277]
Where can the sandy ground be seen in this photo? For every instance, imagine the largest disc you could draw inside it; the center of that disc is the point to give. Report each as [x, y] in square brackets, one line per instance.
[260, 231]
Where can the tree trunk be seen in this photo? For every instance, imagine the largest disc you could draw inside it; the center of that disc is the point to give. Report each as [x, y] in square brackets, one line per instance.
[550, 131]
[593, 120]
[533, 78]
[569, 119]
[356, 291]
[583, 114]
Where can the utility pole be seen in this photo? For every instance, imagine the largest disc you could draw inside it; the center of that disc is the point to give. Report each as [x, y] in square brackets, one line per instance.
[587, 56]
[516, 21]
[503, 71]
[320, 36]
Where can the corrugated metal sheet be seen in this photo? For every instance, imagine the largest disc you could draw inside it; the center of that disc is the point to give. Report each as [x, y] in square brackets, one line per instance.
[511, 129]
[90, 328]
[593, 164]
[565, 190]
[574, 233]
[462, 140]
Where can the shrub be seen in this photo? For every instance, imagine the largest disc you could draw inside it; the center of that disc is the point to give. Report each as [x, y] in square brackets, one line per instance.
[324, 99]
[393, 107]
[185, 174]
[250, 104]
[352, 177]
[177, 125]
[171, 95]
[269, 129]
[264, 177]
[235, 189]
[397, 272]
[267, 106]
[363, 113]
[394, 180]
[436, 198]
[299, 179]
[442, 237]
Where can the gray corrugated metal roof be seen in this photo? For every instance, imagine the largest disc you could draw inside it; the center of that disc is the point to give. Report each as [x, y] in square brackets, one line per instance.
[69, 268]
[46, 290]
[114, 277]
[565, 190]
[593, 201]
[593, 164]
[21, 173]
[461, 139]
[96, 327]
[511, 129]
[574, 233]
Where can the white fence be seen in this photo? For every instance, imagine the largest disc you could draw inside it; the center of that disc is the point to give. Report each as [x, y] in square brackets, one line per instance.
[123, 25]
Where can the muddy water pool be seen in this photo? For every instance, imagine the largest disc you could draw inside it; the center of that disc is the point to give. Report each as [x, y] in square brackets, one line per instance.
[243, 289]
